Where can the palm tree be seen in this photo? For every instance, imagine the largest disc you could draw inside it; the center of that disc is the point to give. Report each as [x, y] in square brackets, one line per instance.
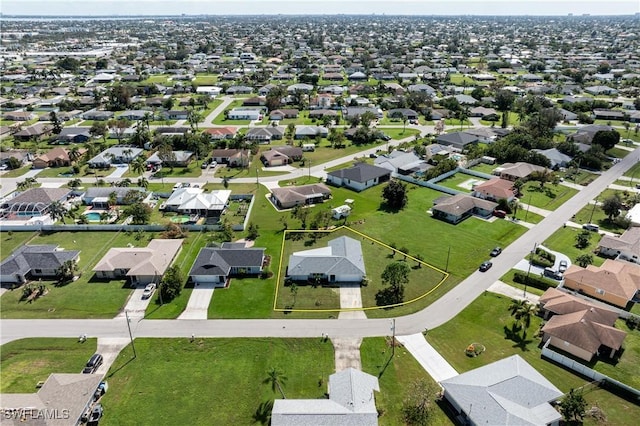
[74, 153]
[57, 211]
[143, 182]
[68, 270]
[522, 311]
[138, 166]
[113, 199]
[276, 378]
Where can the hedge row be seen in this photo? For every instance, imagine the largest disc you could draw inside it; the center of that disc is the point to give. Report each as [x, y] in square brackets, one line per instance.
[534, 281]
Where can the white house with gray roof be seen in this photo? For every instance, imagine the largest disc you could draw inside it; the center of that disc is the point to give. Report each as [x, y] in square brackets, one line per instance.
[505, 392]
[38, 261]
[215, 265]
[351, 403]
[340, 261]
[119, 154]
[359, 177]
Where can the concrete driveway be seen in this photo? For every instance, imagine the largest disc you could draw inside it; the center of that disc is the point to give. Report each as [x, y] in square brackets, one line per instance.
[428, 357]
[351, 298]
[109, 348]
[198, 305]
[523, 265]
[136, 306]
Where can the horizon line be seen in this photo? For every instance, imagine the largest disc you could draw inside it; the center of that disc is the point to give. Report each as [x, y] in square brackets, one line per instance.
[182, 15]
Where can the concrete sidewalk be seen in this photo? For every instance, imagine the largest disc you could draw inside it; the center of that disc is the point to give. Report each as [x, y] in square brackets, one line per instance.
[198, 305]
[428, 357]
[136, 306]
[109, 348]
[515, 293]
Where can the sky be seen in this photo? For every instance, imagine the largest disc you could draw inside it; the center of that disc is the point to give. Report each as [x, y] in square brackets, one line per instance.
[318, 7]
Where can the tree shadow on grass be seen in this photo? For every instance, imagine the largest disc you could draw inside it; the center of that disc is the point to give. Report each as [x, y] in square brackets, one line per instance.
[262, 414]
[520, 341]
[387, 297]
[112, 373]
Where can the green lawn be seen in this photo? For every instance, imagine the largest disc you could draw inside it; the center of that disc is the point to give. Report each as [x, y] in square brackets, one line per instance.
[244, 298]
[485, 322]
[206, 79]
[618, 152]
[11, 242]
[233, 369]
[395, 375]
[24, 363]
[254, 169]
[549, 198]
[593, 213]
[564, 241]
[508, 279]
[484, 168]
[192, 171]
[634, 171]
[17, 172]
[582, 177]
[85, 297]
[220, 120]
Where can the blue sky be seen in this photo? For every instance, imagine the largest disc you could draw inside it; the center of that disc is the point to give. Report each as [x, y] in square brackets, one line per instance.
[329, 7]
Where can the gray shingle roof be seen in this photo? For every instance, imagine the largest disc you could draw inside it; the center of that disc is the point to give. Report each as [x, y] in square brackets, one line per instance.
[361, 172]
[26, 258]
[219, 261]
[342, 257]
[505, 392]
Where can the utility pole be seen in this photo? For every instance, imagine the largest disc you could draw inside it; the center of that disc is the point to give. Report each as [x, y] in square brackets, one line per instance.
[446, 268]
[257, 177]
[309, 169]
[595, 203]
[126, 313]
[526, 280]
[393, 338]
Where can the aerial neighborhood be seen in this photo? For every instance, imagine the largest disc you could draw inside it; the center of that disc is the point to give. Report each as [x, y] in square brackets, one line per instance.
[320, 220]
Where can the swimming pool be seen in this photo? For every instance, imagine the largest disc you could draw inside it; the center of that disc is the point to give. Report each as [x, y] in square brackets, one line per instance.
[180, 219]
[93, 216]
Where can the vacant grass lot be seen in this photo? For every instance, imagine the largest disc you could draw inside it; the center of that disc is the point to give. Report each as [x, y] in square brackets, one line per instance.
[231, 371]
[549, 198]
[395, 376]
[23, 363]
[564, 241]
[485, 322]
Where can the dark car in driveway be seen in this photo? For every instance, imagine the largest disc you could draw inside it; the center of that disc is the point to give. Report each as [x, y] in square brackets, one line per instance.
[485, 266]
[495, 252]
[92, 365]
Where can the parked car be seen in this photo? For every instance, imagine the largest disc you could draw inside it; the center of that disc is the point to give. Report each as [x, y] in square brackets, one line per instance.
[500, 213]
[148, 291]
[550, 273]
[591, 227]
[485, 266]
[213, 164]
[495, 252]
[562, 266]
[205, 165]
[96, 414]
[92, 365]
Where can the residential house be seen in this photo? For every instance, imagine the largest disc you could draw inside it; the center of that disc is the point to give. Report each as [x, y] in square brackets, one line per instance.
[135, 115]
[231, 157]
[567, 115]
[625, 247]
[608, 114]
[219, 133]
[22, 155]
[458, 140]
[36, 132]
[281, 155]
[350, 112]
[481, 111]
[401, 162]
[484, 134]
[340, 261]
[579, 327]
[291, 196]
[56, 157]
[98, 196]
[142, 265]
[494, 190]
[195, 201]
[176, 114]
[32, 202]
[118, 154]
[74, 135]
[217, 265]
[359, 177]
[239, 90]
[254, 101]
[34, 262]
[245, 113]
[617, 283]
[601, 90]
[319, 113]
[454, 209]
[19, 116]
[265, 134]
[281, 114]
[585, 134]
[62, 400]
[177, 159]
[310, 132]
[504, 392]
[350, 402]
[424, 88]
[403, 113]
[556, 158]
[515, 171]
[97, 115]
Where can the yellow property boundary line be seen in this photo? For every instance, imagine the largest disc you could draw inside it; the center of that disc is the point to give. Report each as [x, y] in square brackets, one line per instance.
[279, 280]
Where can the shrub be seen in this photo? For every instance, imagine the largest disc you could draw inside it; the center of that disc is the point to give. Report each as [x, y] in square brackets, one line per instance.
[534, 281]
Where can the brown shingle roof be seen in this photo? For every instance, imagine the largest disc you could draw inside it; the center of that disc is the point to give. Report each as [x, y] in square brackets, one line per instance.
[618, 278]
[584, 330]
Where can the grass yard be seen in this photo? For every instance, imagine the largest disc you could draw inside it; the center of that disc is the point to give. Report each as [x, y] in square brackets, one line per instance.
[15, 173]
[564, 241]
[395, 377]
[618, 152]
[398, 133]
[485, 321]
[634, 171]
[231, 370]
[10, 242]
[254, 170]
[549, 198]
[626, 369]
[593, 213]
[24, 363]
[508, 279]
[484, 168]
[220, 120]
[192, 171]
[205, 79]
[83, 298]
[581, 177]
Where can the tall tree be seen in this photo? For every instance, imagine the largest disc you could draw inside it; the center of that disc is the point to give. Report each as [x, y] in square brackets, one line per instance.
[171, 283]
[396, 276]
[612, 206]
[573, 406]
[57, 211]
[395, 195]
[55, 122]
